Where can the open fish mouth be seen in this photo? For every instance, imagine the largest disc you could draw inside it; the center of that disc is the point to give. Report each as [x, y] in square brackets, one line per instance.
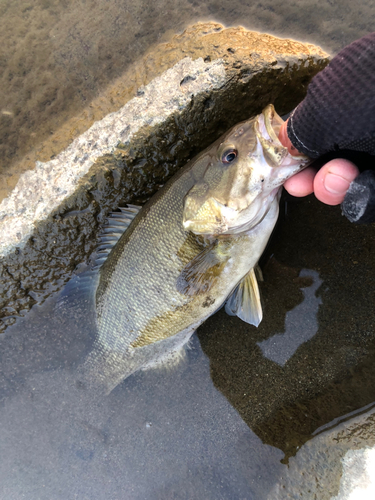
[245, 171]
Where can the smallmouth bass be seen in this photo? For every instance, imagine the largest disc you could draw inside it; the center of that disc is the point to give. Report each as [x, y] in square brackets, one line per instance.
[189, 250]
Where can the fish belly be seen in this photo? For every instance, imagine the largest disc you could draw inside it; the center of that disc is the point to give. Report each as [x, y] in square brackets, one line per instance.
[143, 321]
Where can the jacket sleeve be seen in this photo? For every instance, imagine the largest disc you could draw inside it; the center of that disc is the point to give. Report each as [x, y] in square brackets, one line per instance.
[338, 111]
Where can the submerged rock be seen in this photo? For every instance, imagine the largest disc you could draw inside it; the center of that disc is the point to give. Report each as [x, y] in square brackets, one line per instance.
[209, 79]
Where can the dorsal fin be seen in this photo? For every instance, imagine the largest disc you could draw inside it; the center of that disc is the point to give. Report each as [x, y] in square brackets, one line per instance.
[117, 224]
[81, 288]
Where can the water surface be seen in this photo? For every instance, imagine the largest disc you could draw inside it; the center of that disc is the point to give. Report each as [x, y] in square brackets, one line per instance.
[237, 417]
[229, 421]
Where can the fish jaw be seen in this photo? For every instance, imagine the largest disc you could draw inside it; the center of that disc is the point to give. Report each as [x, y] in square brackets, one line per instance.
[226, 220]
[209, 219]
[241, 197]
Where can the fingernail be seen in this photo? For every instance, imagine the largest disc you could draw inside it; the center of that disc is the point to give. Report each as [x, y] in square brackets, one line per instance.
[336, 184]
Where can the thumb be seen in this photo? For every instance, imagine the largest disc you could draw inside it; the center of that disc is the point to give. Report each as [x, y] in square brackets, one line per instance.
[333, 180]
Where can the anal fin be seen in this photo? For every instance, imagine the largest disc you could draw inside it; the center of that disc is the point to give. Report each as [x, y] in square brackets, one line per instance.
[244, 302]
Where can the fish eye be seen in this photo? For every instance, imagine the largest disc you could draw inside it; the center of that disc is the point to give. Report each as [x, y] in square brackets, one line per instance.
[229, 155]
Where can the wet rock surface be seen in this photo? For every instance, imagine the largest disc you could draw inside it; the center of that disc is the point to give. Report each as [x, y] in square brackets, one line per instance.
[50, 223]
[53, 124]
[57, 56]
[335, 463]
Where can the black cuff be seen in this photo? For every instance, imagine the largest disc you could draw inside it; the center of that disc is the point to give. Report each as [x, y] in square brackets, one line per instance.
[359, 202]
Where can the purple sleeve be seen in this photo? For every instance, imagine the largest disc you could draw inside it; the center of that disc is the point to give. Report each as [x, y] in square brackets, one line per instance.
[338, 111]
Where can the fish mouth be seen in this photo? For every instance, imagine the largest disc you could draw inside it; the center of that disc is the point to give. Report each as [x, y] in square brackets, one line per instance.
[205, 226]
[256, 180]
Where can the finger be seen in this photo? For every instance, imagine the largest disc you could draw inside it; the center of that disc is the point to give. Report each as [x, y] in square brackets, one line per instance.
[302, 183]
[333, 180]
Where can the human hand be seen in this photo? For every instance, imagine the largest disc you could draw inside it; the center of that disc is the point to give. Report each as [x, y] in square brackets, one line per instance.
[329, 184]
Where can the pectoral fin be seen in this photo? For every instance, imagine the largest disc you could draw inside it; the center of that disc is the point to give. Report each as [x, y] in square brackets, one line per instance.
[199, 275]
[245, 300]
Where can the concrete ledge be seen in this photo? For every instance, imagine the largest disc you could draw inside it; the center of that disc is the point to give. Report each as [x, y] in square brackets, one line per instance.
[40, 191]
[337, 463]
[50, 222]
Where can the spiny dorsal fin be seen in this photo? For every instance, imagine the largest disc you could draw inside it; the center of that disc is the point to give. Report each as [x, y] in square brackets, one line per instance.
[245, 300]
[81, 288]
[117, 224]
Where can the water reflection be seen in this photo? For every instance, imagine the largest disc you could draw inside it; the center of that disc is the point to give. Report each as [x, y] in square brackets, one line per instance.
[300, 324]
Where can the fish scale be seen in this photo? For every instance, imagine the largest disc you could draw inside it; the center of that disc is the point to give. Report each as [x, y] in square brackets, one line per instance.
[155, 241]
[186, 251]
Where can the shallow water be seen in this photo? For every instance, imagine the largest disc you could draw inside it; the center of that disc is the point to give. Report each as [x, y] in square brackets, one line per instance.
[231, 420]
[163, 434]
[249, 411]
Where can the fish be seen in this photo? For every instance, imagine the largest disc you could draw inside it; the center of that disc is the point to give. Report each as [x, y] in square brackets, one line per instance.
[163, 269]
